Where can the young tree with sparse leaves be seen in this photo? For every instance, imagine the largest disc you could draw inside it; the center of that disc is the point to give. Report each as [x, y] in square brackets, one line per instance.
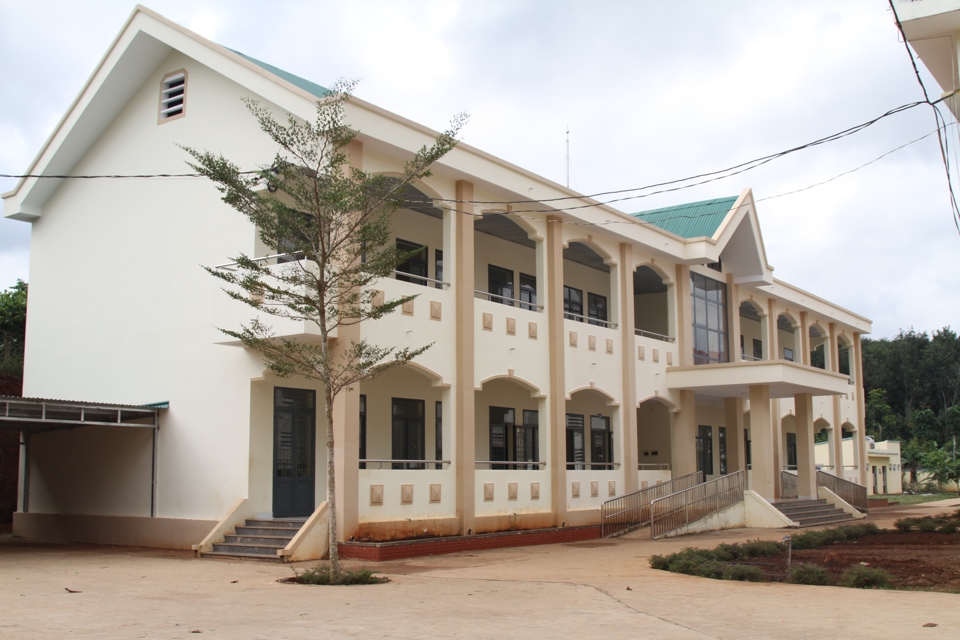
[333, 221]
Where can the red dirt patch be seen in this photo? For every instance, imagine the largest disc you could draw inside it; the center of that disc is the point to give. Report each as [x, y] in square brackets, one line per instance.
[916, 560]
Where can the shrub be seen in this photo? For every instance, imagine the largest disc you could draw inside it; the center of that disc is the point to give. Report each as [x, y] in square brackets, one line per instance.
[950, 527]
[904, 525]
[927, 525]
[711, 569]
[808, 574]
[320, 575]
[862, 577]
[810, 540]
[660, 562]
[817, 539]
[762, 548]
[744, 573]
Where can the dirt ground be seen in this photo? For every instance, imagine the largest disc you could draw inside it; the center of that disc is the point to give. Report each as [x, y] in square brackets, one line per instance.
[929, 561]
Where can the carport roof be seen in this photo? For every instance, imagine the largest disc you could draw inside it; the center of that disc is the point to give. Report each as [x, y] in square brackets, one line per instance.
[38, 415]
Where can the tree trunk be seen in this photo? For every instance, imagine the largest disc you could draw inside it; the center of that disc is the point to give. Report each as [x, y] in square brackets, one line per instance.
[332, 492]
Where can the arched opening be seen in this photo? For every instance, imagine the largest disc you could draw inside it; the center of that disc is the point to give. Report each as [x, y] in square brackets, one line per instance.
[844, 353]
[402, 424]
[819, 347]
[587, 286]
[824, 451]
[752, 331]
[507, 431]
[592, 430]
[417, 230]
[505, 262]
[654, 448]
[787, 338]
[652, 305]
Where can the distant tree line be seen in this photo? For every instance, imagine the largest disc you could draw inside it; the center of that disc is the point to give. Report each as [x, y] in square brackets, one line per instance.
[912, 382]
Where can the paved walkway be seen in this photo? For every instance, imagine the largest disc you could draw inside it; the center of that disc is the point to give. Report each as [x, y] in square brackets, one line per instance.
[597, 589]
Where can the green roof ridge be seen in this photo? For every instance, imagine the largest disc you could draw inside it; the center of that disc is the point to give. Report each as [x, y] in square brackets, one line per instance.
[690, 220]
[306, 85]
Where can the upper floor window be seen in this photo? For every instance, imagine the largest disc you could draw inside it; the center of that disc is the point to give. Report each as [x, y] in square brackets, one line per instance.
[173, 96]
[414, 266]
[572, 303]
[528, 292]
[500, 284]
[709, 298]
[597, 308]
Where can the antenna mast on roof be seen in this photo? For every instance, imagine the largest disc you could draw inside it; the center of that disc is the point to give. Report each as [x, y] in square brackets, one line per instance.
[568, 156]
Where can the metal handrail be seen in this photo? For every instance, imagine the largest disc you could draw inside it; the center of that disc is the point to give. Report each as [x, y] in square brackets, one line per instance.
[789, 485]
[850, 492]
[531, 306]
[505, 464]
[747, 358]
[652, 466]
[656, 336]
[383, 461]
[425, 279]
[679, 509]
[594, 321]
[591, 466]
[632, 510]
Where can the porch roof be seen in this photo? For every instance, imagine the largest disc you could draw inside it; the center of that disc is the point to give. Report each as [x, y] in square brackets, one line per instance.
[39, 415]
[734, 379]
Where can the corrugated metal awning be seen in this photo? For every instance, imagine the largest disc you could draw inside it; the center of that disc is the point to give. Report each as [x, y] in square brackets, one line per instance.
[38, 415]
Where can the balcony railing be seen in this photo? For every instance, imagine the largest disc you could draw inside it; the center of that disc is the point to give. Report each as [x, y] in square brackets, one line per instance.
[653, 466]
[747, 358]
[365, 463]
[652, 334]
[504, 464]
[594, 321]
[593, 466]
[423, 280]
[509, 302]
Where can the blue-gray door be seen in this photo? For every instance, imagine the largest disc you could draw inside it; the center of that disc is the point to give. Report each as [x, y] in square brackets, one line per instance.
[294, 461]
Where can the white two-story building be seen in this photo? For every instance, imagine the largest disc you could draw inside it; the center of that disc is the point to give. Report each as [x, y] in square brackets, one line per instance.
[579, 353]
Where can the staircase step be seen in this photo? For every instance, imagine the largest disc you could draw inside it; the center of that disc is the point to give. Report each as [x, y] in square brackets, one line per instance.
[242, 556]
[814, 510]
[258, 540]
[267, 531]
[274, 522]
[831, 518]
[269, 550]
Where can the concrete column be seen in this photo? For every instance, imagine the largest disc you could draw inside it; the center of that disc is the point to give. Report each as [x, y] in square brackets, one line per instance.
[684, 316]
[837, 441]
[765, 475]
[556, 395]
[773, 335]
[779, 444]
[733, 315]
[629, 456]
[346, 449]
[806, 466]
[831, 448]
[683, 436]
[832, 350]
[859, 456]
[804, 341]
[856, 360]
[733, 418]
[464, 392]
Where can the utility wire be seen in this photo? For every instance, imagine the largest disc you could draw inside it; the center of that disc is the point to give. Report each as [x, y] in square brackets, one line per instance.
[941, 121]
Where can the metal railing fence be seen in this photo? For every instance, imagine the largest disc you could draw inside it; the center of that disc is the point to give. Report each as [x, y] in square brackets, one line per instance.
[850, 492]
[632, 510]
[679, 509]
[789, 485]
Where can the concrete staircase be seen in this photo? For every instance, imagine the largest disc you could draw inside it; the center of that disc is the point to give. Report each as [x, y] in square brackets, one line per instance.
[258, 539]
[812, 513]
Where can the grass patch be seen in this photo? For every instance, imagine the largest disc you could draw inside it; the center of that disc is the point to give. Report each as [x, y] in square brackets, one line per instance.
[320, 574]
[906, 498]
[863, 577]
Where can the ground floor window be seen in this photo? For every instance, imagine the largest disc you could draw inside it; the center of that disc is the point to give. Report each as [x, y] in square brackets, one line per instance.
[791, 450]
[601, 442]
[576, 446]
[746, 447]
[705, 450]
[438, 435]
[722, 437]
[512, 442]
[363, 430]
[408, 432]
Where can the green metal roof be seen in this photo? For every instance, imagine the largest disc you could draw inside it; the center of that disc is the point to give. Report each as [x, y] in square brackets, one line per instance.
[306, 85]
[691, 220]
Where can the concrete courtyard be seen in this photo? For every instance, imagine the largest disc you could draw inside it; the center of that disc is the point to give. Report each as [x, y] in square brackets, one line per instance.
[596, 589]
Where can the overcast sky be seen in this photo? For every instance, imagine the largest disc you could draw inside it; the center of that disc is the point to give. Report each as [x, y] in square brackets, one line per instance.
[651, 91]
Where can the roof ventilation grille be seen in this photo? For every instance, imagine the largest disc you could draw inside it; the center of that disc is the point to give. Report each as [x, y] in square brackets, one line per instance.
[173, 95]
